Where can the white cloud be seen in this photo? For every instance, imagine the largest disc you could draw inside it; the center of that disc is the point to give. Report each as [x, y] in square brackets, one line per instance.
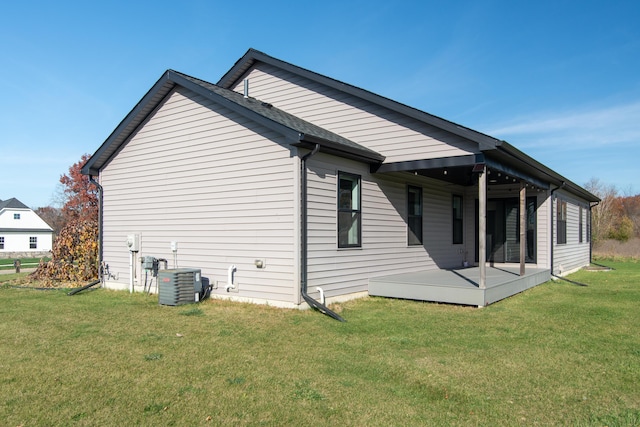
[613, 125]
[597, 142]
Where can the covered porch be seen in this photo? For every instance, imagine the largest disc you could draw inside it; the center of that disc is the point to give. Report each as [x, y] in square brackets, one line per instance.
[460, 286]
[505, 227]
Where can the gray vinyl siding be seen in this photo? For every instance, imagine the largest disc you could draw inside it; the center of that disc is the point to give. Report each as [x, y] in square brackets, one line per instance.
[384, 228]
[398, 137]
[573, 254]
[218, 184]
[544, 229]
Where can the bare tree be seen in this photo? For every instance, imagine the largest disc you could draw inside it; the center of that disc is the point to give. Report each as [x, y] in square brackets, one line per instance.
[631, 208]
[605, 215]
[53, 217]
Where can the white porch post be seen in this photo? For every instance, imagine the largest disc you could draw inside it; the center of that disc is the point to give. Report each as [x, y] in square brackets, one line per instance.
[482, 227]
[523, 225]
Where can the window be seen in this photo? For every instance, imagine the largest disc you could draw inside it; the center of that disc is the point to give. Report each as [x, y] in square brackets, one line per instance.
[414, 215]
[562, 222]
[33, 243]
[457, 219]
[16, 216]
[1, 242]
[580, 225]
[349, 211]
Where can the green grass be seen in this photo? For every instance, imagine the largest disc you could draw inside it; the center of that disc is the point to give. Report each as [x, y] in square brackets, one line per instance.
[7, 264]
[558, 354]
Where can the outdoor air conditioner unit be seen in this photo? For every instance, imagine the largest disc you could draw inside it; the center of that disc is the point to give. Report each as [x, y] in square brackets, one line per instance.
[179, 286]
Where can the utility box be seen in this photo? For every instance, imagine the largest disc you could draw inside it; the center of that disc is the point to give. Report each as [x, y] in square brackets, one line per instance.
[133, 242]
[179, 286]
[149, 262]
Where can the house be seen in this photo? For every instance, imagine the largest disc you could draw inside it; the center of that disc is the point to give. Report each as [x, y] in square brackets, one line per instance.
[22, 232]
[285, 186]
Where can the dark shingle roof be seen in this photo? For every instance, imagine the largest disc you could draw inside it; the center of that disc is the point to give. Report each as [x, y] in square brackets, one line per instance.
[283, 118]
[298, 131]
[13, 203]
[503, 152]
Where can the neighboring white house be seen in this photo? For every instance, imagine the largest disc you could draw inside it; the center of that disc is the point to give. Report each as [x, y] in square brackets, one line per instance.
[286, 186]
[22, 231]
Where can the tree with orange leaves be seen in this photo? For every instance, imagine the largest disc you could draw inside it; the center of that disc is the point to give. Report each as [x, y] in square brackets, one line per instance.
[75, 251]
[81, 196]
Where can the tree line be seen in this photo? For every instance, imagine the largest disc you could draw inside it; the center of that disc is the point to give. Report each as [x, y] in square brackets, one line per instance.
[616, 216]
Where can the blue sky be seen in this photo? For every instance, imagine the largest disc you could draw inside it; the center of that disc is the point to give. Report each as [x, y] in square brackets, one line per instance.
[560, 80]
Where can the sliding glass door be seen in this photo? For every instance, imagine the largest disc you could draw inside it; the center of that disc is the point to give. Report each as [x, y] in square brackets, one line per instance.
[503, 230]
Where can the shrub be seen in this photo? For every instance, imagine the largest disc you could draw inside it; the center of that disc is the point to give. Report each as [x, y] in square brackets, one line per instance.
[74, 255]
[623, 231]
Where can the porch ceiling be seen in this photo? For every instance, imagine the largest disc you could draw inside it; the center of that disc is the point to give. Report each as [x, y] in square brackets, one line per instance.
[459, 170]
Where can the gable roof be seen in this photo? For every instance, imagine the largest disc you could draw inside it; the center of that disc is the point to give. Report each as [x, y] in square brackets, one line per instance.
[498, 153]
[252, 56]
[298, 131]
[12, 203]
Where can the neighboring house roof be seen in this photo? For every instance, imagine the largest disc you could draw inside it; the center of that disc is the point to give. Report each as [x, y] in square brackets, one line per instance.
[12, 203]
[498, 153]
[15, 204]
[300, 132]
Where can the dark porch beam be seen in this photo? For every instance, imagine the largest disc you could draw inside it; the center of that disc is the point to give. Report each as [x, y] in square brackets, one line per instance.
[519, 175]
[442, 162]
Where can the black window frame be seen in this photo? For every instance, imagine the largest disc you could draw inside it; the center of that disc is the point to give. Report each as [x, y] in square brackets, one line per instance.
[415, 236]
[1, 242]
[561, 222]
[16, 216]
[347, 211]
[457, 221]
[33, 242]
[580, 225]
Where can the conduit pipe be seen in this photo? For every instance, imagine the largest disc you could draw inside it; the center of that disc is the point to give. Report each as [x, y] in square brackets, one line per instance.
[131, 271]
[230, 273]
[304, 240]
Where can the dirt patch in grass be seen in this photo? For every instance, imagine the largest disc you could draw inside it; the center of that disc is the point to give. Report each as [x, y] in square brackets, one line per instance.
[597, 268]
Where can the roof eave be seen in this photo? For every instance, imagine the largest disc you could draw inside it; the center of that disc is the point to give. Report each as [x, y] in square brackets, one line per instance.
[166, 84]
[240, 67]
[287, 132]
[329, 147]
[129, 124]
[252, 56]
[542, 170]
[26, 230]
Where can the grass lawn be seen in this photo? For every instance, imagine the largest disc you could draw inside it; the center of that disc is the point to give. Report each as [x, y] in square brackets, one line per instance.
[7, 264]
[558, 354]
